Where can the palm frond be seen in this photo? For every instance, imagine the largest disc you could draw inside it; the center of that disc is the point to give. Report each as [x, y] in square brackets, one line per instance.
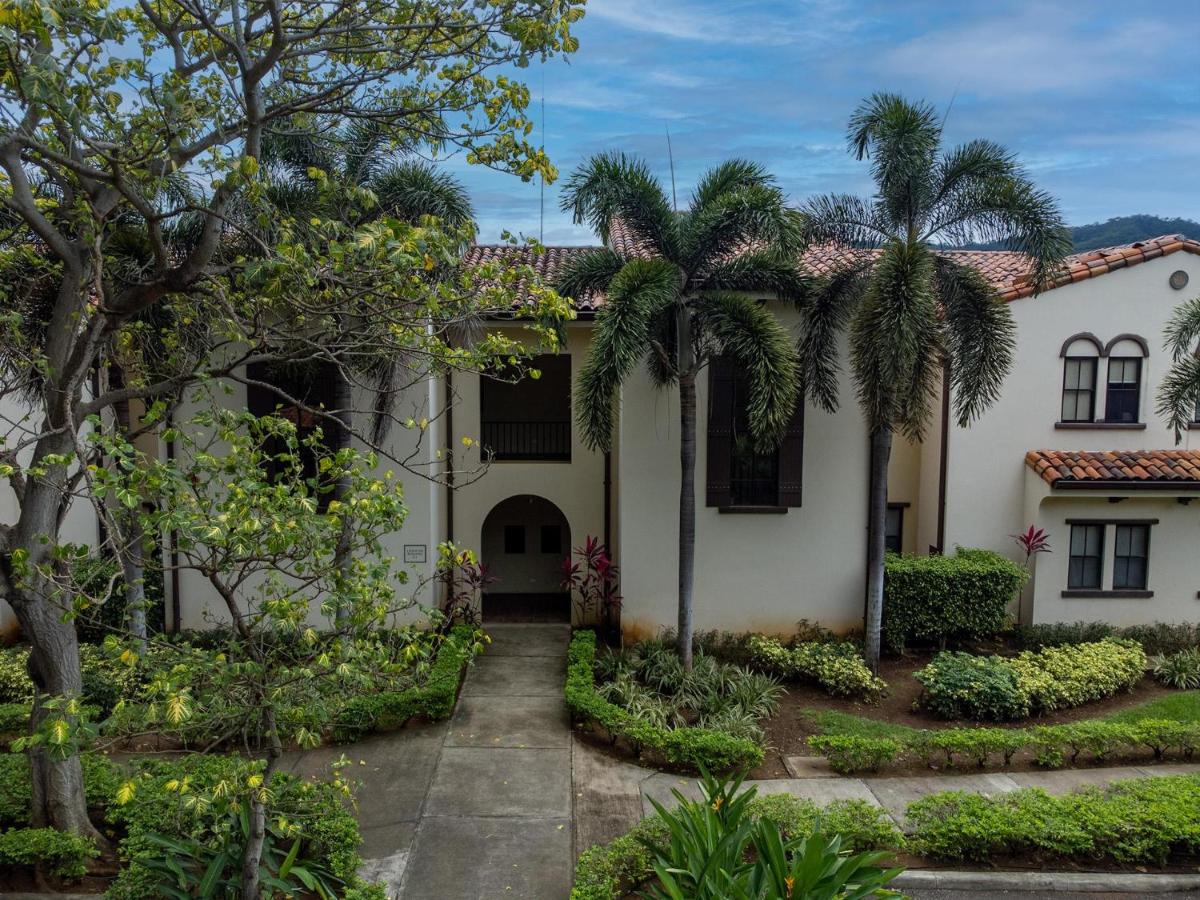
[823, 319]
[973, 163]
[761, 271]
[1178, 398]
[364, 146]
[747, 331]
[893, 340]
[589, 273]
[845, 220]
[901, 139]
[639, 292]
[980, 338]
[738, 221]
[413, 188]
[612, 187]
[730, 175]
[1183, 330]
[294, 145]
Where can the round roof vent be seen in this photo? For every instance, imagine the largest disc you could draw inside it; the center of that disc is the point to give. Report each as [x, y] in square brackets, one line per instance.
[1179, 279]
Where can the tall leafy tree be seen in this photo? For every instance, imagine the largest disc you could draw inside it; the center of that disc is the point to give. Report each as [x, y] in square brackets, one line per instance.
[674, 296]
[101, 104]
[1179, 393]
[913, 313]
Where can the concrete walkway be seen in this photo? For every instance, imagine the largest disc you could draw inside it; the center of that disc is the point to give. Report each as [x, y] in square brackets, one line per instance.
[611, 795]
[496, 820]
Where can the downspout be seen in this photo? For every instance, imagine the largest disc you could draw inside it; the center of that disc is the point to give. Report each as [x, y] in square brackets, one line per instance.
[449, 411]
[944, 458]
[173, 539]
[608, 501]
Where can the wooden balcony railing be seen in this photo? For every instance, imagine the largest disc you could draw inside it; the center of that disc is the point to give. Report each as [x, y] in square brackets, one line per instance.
[527, 440]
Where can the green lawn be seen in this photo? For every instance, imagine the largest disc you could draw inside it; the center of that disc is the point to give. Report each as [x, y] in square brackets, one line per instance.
[1183, 706]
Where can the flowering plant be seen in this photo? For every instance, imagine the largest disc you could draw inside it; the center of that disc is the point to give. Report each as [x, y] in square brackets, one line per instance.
[592, 580]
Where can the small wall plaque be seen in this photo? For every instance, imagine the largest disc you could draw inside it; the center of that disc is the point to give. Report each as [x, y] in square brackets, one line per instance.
[414, 553]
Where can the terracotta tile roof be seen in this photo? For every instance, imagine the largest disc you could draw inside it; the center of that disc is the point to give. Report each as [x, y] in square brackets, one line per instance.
[1008, 272]
[1082, 266]
[1079, 468]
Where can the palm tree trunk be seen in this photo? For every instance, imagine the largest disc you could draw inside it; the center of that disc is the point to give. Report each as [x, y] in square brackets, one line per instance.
[687, 512]
[343, 404]
[881, 451]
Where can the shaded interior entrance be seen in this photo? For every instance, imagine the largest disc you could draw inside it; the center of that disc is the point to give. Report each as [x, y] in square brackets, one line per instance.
[524, 541]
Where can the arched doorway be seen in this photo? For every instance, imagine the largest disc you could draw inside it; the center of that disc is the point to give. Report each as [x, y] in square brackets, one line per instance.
[524, 541]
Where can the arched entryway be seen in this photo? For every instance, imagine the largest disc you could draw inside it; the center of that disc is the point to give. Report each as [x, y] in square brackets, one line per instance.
[524, 541]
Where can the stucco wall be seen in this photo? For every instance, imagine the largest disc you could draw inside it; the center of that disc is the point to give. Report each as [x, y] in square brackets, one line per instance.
[1174, 576]
[985, 485]
[759, 572]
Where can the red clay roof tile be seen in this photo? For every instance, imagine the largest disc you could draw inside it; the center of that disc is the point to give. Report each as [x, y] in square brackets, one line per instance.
[1059, 467]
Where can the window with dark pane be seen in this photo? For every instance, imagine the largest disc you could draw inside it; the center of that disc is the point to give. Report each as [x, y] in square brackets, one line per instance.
[514, 538]
[754, 475]
[522, 417]
[1086, 565]
[893, 535]
[1124, 389]
[1079, 389]
[1131, 557]
[551, 539]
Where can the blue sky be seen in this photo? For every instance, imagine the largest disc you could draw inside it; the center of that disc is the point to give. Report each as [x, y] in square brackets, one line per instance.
[1101, 101]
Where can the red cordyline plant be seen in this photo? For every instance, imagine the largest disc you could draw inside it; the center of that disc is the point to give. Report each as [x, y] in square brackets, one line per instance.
[1032, 541]
[592, 580]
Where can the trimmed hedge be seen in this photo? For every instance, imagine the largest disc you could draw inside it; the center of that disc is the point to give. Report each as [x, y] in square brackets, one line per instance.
[1141, 821]
[963, 686]
[610, 871]
[837, 667]
[1052, 745]
[942, 598]
[691, 747]
[434, 699]
[59, 852]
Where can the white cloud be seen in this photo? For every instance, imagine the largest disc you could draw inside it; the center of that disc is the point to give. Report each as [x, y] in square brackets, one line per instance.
[812, 21]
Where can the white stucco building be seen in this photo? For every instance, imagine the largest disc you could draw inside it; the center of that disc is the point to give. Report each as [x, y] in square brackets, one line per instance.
[1073, 446]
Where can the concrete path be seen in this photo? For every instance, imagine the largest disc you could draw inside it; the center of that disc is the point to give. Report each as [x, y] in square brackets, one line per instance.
[496, 819]
[611, 795]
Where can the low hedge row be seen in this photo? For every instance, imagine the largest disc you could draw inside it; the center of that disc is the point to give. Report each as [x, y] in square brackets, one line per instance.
[691, 747]
[57, 852]
[836, 667]
[610, 871]
[1143, 821]
[964, 686]
[101, 778]
[434, 699]
[941, 598]
[1052, 745]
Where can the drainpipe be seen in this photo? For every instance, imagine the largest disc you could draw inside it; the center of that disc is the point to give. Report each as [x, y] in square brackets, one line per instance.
[449, 412]
[944, 458]
[608, 501]
[173, 539]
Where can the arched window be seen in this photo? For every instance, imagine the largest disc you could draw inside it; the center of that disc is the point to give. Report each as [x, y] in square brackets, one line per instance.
[1081, 359]
[1123, 396]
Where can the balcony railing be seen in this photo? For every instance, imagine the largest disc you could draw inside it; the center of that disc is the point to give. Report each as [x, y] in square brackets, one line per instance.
[527, 440]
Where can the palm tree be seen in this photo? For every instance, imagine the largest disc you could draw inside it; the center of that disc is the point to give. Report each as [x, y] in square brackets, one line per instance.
[674, 296]
[374, 183]
[1179, 394]
[909, 309]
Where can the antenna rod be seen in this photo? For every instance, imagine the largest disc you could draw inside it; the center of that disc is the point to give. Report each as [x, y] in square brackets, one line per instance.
[671, 159]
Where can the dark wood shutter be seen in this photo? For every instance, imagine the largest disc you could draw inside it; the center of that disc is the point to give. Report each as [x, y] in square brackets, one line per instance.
[791, 459]
[720, 432]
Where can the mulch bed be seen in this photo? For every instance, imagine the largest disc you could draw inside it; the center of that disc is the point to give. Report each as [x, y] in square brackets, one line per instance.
[788, 730]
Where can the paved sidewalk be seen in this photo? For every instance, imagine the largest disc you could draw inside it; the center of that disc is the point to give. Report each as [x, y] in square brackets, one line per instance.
[496, 819]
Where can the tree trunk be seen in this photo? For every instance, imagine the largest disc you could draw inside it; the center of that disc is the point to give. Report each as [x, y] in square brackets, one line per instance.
[881, 451]
[129, 548]
[252, 858]
[343, 404]
[687, 512]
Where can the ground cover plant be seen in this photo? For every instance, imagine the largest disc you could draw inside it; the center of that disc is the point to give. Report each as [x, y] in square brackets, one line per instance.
[723, 826]
[964, 686]
[838, 667]
[706, 717]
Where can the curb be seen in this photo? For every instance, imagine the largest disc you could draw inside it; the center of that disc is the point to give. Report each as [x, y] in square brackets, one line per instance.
[1046, 882]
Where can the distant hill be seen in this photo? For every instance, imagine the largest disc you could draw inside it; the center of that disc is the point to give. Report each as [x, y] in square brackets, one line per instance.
[1119, 230]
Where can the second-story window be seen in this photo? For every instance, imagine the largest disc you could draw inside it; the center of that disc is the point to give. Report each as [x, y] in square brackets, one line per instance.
[527, 418]
[1079, 389]
[1124, 389]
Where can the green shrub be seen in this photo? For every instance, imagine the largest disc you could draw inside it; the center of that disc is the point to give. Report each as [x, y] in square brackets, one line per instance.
[433, 699]
[847, 753]
[14, 718]
[836, 667]
[974, 745]
[859, 824]
[1156, 639]
[1164, 735]
[1142, 821]
[15, 686]
[941, 598]
[58, 852]
[101, 778]
[963, 686]
[1179, 670]
[692, 747]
